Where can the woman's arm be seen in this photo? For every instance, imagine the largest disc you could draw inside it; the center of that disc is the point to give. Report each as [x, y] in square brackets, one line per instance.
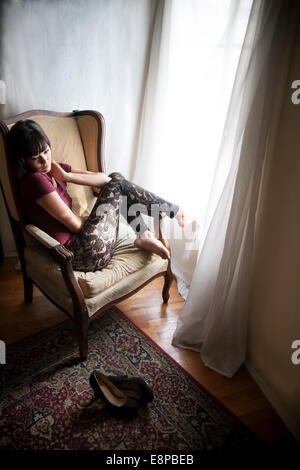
[55, 206]
[86, 178]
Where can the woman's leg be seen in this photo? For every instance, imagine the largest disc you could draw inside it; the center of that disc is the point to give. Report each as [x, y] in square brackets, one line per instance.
[149, 203]
[94, 245]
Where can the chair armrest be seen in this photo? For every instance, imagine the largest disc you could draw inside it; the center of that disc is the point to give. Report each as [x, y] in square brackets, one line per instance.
[64, 258]
[56, 250]
[41, 236]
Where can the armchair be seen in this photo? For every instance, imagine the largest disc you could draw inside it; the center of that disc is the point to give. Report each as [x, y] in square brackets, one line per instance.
[76, 138]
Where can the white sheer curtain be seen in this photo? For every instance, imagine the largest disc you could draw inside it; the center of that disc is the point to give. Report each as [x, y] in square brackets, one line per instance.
[195, 51]
[211, 106]
[214, 318]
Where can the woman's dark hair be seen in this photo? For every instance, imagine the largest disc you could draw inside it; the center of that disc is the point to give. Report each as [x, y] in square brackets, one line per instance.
[25, 139]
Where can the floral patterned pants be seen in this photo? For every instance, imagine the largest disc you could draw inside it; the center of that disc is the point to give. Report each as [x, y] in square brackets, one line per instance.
[94, 245]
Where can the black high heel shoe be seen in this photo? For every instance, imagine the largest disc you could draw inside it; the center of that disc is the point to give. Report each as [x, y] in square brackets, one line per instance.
[104, 388]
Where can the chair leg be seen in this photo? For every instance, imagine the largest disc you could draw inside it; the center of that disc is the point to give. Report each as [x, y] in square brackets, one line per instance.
[168, 281]
[28, 288]
[83, 349]
[82, 327]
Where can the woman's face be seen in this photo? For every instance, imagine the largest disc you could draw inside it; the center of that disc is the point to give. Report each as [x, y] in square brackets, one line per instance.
[40, 162]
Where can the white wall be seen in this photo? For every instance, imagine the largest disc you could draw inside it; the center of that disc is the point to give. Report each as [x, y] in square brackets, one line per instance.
[274, 320]
[62, 55]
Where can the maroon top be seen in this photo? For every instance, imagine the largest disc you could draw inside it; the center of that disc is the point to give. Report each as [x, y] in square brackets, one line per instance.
[32, 187]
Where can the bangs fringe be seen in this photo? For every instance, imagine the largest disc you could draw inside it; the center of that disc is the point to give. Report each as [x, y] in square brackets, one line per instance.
[34, 145]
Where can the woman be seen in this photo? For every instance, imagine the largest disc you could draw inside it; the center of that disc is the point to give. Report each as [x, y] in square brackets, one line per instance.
[47, 204]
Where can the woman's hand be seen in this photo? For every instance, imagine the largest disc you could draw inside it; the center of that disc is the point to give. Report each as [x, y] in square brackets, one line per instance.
[57, 172]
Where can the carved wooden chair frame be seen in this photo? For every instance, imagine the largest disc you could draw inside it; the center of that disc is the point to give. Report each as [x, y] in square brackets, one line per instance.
[59, 253]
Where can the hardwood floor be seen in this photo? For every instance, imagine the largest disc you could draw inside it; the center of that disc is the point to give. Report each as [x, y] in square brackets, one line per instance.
[240, 395]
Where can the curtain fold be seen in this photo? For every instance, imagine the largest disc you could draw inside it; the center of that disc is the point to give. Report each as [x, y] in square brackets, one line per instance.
[214, 317]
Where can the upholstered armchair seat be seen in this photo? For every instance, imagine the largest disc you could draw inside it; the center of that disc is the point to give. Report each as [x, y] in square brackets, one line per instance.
[127, 271]
[76, 138]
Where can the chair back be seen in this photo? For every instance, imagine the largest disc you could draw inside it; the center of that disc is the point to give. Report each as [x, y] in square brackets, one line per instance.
[76, 138]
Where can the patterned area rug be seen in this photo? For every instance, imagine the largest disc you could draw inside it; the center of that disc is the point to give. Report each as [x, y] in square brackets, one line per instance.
[46, 400]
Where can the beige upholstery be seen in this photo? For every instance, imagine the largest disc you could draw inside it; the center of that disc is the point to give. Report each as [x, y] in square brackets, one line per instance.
[127, 259]
[89, 135]
[66, 147]
[6, 183]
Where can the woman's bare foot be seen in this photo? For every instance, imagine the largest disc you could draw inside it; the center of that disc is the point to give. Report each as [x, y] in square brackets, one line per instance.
[180, 217]
[147, 241]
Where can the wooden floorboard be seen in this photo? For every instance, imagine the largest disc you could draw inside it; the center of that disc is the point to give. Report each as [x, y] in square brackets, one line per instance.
[240, 395]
